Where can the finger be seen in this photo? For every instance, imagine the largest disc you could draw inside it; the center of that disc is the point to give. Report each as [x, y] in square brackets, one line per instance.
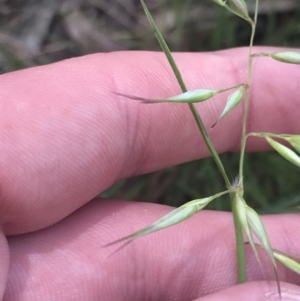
[65, 137]
[256, 290]
[187, 261]
[4, 263]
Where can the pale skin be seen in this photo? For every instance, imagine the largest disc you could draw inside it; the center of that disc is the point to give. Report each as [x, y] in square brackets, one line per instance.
[66, 137]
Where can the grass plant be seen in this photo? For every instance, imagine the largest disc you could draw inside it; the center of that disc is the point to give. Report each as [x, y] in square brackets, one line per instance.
[247, 221]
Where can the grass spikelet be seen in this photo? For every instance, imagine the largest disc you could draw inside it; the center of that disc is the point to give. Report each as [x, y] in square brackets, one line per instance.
[192, 96]
[242, 214]
[288, 262]
[239, 8]
[294, 142]
[232, 101]
[284, 151]
[289, 57]
[220, 2]
[258, 228]
[174, 217]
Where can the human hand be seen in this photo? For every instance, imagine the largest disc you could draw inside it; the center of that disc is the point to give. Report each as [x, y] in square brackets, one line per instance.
[65, 138]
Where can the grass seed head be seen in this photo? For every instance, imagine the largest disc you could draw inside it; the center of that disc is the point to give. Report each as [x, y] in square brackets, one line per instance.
[294, 142]
[220, 2]
[288, 262]
[257, 227]
[290, 57]
[232, 101]
[187, 97]
[241, 210]
[241, 206]
[284, 151]
[193, 96]
[239, 7]
[174, 217]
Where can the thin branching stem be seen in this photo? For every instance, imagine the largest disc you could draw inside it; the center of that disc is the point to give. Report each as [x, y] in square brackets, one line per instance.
[182, 85]
[239, 241]
[238, 229]
[242, 277]
[247, 97]
[263, 135]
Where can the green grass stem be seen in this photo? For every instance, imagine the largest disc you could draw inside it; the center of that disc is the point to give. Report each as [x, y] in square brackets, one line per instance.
[247, 98]
[238, 230]
[182, 85]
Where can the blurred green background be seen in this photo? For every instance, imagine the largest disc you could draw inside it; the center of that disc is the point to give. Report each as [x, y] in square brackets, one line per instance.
[36, 32]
